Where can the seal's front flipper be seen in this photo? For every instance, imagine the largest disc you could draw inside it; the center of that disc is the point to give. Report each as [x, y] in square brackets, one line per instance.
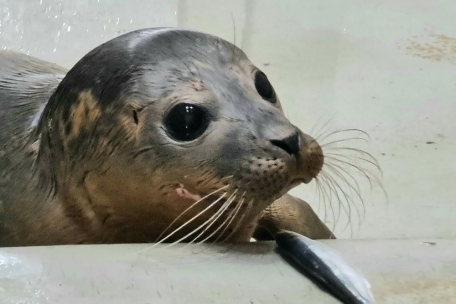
[293, 214]
[324, 267]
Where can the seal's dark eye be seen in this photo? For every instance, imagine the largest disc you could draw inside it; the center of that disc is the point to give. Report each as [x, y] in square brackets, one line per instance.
[264, 87]
[186, 122]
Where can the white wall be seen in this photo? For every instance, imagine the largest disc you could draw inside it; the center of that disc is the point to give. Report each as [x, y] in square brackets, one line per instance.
[387, 68]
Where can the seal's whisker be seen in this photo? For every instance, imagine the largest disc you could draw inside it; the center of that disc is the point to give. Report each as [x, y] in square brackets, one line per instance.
[226, 222]
[321, 197]
[360, 218]
[370, 176]
[362, 170]
[321, 129]
[323, 145]
[341, 167]
[332, 187]
[230, 217]
[319, 186]
[328, 135]
[341, 205]
[347, 198]
[209, 221]
[214, 217]
[354, 150]
[235, 228]
[328, 194]
[352, 188]
[192, 219]
[346, 212]
[325, 196]
[234, 39]
[347, 209]
[316, 124]
[331, 192]
[336, 161]
[354, 157]
[335, 168]
[362, 152]
[186, 210]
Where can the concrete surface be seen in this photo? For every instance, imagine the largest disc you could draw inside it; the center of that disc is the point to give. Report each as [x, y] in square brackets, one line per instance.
[386, 67]
[400, 271]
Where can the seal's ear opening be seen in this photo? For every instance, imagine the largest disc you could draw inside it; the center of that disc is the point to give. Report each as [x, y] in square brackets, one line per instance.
[135, 109]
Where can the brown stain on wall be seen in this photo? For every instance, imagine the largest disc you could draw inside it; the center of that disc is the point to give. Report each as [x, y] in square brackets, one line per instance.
[425, 290]
[433, 47]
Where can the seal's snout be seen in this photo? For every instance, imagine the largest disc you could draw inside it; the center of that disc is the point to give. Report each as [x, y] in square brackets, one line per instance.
[306, 156]
[290, 144]
[312, 156]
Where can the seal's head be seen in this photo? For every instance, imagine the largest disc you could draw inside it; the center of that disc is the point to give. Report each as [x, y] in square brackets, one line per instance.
[167, 126]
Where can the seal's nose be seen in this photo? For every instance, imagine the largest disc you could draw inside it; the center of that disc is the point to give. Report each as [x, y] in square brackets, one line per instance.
[289, 144]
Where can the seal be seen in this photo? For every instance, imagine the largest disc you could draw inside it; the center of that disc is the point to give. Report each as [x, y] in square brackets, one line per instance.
[161, 134]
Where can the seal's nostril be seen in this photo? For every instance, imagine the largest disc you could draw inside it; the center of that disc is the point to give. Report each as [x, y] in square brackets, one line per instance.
[289, 144]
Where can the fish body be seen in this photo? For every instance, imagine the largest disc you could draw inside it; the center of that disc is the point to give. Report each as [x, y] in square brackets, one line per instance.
[325, 267]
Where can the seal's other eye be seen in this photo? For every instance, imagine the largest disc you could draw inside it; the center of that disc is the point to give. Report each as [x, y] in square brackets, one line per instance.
[186, 122]
[264, 87]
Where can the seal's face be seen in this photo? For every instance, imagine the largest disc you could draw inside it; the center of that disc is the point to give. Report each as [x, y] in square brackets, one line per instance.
[183, 129]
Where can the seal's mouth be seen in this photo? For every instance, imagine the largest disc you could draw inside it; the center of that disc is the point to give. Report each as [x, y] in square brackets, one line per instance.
[181, 191]
[236, 198]
[297, 181]
[294, 183]
[228, 201]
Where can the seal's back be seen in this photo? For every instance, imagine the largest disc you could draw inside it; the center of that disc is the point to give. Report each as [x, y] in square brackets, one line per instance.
[26, 83]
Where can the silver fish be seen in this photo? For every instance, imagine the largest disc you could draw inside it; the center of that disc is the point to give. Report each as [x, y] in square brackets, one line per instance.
[325, 267]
